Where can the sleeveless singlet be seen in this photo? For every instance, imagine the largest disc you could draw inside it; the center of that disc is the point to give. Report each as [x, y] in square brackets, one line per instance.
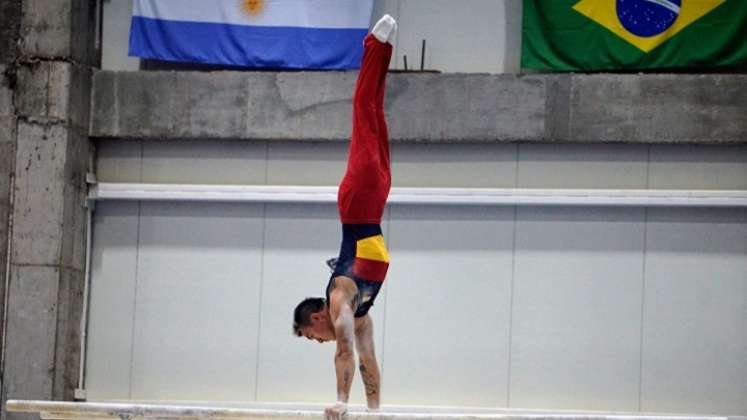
[363, 258]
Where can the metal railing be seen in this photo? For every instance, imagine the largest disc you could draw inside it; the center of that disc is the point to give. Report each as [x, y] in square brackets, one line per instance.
[426, 196]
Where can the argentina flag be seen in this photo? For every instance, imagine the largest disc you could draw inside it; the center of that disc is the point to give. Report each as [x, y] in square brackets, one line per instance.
[277, 34]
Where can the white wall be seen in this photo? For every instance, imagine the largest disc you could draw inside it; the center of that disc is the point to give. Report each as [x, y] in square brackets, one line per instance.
[468, 36]
[529, 307]
[115, 36]
[428, 165]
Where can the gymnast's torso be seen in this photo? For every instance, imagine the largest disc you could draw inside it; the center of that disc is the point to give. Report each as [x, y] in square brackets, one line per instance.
[365, 260]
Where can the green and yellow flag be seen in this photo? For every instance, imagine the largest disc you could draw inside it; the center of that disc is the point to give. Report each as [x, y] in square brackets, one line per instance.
[590, 35]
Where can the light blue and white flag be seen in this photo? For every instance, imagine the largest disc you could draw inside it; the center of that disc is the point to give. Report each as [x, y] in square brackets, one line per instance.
[286, 34]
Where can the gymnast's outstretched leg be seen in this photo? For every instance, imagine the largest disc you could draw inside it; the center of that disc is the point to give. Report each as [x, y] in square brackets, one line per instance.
[365, 187]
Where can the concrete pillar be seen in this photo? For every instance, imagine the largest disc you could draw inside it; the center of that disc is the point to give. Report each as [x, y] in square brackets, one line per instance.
[44, 114]
[10, 12]
[7, 160]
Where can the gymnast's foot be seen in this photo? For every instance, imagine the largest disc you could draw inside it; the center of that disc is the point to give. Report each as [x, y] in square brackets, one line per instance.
[384, 28]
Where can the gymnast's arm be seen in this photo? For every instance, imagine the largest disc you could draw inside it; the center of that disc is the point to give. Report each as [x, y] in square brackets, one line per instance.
[341, 312]
[364, 344]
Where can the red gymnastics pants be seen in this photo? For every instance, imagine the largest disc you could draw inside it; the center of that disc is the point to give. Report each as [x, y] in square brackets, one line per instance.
[364, 189]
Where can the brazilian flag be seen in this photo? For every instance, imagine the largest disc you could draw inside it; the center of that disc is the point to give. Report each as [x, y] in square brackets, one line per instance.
[590, 35]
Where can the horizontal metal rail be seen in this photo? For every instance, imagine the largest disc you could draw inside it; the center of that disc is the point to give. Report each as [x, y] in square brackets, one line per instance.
[432, 196]
[56, 410]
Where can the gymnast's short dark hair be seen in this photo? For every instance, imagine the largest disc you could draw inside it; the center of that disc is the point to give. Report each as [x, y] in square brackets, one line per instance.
[302, 314]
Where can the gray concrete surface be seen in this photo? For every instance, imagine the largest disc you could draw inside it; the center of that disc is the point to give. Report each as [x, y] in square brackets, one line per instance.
[40, 160]
[7, 155]
[45, 85]
[67, 338]
[44, 112]
[54, 92]
[46, 28]
[31, 331]
[9, 23]
[633, 108]
[73, 249]
[659, 108]
[7, 114]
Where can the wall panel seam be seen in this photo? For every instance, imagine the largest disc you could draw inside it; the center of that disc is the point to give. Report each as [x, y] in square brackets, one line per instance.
[134, 300]
[511, 306]
[643, 308]
[259, 300]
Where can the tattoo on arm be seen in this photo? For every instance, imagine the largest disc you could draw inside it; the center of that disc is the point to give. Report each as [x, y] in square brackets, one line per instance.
[344, 327]
[368, 381]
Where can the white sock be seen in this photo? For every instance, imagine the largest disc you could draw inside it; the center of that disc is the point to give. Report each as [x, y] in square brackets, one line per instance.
[384, 28]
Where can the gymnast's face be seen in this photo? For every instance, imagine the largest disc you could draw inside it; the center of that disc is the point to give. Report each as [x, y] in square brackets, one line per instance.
[320, 328]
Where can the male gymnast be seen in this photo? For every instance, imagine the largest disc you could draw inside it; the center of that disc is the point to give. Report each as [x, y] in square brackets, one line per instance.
[361, 267]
